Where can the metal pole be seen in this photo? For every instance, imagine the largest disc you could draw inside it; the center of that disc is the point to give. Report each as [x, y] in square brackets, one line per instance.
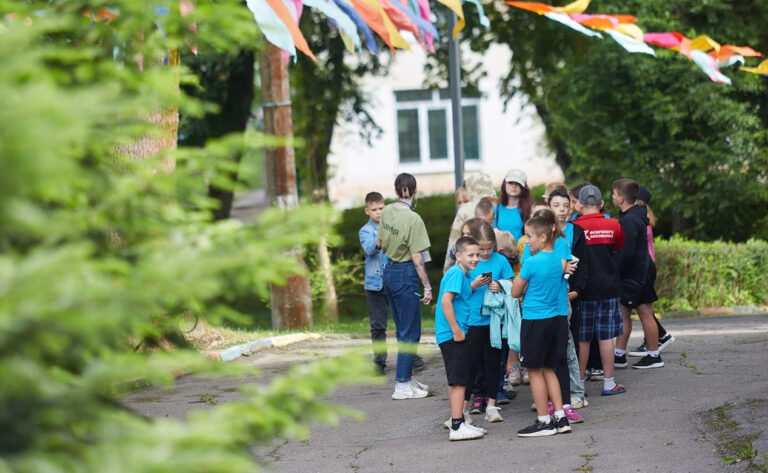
[454, 84]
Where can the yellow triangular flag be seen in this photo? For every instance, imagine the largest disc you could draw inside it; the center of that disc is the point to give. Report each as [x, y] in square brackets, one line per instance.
[579, 6]
[455, 6]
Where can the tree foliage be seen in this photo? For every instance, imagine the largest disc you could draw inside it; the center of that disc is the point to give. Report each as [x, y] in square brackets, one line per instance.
[100, 250]
[700, 147]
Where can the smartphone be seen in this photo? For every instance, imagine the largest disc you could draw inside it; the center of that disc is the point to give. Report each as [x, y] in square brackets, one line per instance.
[486, 275]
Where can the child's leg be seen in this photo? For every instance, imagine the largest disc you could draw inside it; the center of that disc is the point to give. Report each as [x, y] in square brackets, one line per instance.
[623, 339]
[539, 390]
[474, 339]
[552, 388]
[378, 308]
[577, 386]
[650, 329]
[662, 331]
[491, 360]
[456, 401]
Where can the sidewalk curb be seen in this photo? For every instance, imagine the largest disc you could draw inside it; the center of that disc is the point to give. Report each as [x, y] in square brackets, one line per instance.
[244, 349]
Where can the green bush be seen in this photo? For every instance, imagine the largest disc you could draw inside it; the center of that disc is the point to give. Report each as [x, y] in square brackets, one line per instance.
[696, 275]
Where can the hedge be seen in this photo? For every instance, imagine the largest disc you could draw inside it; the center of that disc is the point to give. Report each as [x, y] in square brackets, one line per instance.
[691, 275]
[697, 275]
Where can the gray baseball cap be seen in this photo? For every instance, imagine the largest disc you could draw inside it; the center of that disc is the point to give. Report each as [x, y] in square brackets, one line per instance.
[590, 195]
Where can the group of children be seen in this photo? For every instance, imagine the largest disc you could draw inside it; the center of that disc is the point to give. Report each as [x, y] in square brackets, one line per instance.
[579, 275]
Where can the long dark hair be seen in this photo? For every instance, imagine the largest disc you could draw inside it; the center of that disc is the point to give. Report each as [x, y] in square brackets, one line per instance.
[523, 202]
[405, 185]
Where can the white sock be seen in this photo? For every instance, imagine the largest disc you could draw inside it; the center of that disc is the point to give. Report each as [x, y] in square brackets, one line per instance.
[619, 351]
[559, 414]
[653, 353]
[567, 406]
[545, 419]
[608, 384]
[402, 385]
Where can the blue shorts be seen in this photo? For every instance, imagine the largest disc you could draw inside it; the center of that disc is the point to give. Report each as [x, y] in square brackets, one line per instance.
[600, 319]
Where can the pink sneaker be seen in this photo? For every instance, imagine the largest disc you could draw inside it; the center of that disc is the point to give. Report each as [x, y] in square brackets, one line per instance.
[573, 416]
[550, 408]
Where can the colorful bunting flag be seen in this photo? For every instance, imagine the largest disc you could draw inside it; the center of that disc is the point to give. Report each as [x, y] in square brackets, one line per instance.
[705, 52]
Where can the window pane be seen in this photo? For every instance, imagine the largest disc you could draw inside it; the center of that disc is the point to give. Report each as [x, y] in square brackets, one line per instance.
[413, 95]
[471, 133]
[408, 135]
[438, 138]
[466, 93]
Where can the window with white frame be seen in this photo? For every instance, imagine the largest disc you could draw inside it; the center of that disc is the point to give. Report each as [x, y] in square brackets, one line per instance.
[424, 125]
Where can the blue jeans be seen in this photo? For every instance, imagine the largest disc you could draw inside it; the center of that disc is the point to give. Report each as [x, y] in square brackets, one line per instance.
[400, 284]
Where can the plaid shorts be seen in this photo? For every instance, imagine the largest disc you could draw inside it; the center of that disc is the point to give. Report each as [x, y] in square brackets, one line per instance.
[600, 319]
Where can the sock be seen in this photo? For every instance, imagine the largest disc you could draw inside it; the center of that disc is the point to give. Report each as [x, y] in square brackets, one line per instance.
[619, 352]
[653, 353]
[545, 419]
[456, 423]
[559, 414]
[583, 380]
[402, 385]
[567, 406]
[608, 384]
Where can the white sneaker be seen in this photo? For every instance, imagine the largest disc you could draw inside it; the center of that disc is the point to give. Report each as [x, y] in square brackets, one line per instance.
[418, 385]
[467, 420]
[408, 392]
[464, 432]
[492, 414]
[578, 403]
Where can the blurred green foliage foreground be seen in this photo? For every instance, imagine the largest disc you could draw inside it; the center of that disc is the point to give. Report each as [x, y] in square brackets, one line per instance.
[102, 250]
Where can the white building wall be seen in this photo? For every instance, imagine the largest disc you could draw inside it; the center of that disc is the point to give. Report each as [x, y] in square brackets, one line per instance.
[511, 139]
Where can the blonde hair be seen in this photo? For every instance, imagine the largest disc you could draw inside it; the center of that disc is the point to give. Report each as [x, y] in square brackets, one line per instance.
[462, 196]
[649, 213]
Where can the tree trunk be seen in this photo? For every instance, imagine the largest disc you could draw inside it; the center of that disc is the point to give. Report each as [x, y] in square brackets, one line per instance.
[291, 303]
[331, 300]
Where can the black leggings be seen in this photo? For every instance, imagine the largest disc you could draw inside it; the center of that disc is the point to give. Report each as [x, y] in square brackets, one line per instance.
[482, 354]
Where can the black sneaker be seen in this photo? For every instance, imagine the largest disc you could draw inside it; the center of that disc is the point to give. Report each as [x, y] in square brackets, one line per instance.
[620, 361]
[379, 368]
[665, 341]
[649, 361]
[538, 429]
[418, 363]
[642, 350]
[562, 426]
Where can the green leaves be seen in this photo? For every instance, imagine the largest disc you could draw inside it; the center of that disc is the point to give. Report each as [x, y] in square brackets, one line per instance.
[611, 114]
[105, 249]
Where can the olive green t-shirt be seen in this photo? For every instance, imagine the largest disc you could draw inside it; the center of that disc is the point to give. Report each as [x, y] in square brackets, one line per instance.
[402, 233]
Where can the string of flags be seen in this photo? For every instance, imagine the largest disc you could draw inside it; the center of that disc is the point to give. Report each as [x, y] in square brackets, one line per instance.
[705, 52]
[279, 19]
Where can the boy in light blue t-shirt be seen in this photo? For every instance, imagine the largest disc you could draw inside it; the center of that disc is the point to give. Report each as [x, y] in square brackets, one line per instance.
[451, 319]
[544, 330]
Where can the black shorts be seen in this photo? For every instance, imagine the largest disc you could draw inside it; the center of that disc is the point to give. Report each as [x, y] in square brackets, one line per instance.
[456, 361]
[543, 342]
[634, 293]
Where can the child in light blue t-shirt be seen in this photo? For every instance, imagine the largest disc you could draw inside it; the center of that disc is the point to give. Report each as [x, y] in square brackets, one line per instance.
[484, 358]
[451, 317]
[544, 329]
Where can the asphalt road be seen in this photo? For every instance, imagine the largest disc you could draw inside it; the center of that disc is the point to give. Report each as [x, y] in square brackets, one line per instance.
[666, 422]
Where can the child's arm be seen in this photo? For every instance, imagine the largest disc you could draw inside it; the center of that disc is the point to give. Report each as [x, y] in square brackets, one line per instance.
[446, 303]
[368, 240]
[519, 285]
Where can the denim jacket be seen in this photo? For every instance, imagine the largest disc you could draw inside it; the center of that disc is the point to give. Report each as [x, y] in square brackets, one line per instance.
[375, 259]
